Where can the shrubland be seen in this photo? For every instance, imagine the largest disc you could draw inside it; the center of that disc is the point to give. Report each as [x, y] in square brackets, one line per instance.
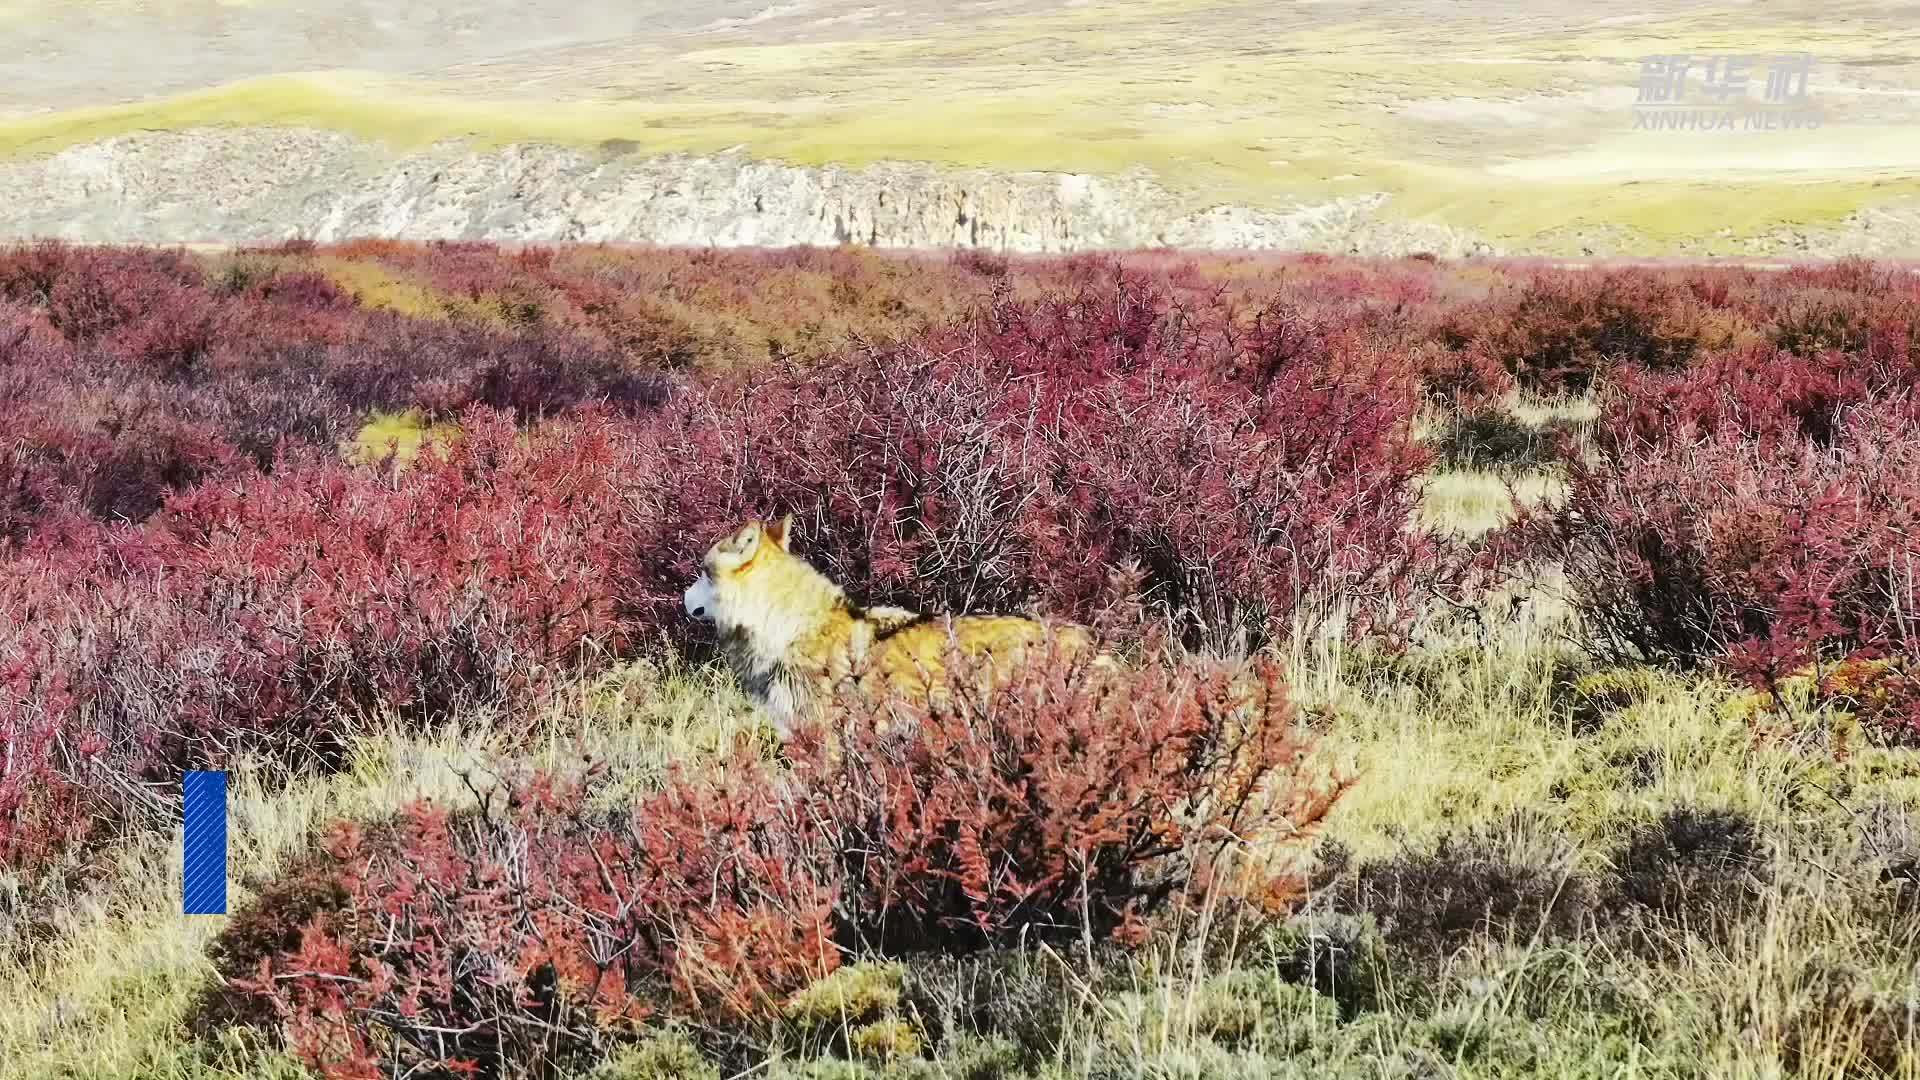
[1520, 665]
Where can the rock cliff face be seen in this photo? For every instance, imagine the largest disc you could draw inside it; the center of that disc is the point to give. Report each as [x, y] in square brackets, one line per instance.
[256, 185]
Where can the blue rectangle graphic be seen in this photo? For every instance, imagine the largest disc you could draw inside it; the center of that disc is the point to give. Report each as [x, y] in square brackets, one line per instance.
[204, 881]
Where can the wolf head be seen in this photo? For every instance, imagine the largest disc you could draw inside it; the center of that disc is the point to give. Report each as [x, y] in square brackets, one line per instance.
[752, 582]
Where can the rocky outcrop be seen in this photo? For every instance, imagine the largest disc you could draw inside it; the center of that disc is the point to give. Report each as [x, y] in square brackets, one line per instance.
[255, 185]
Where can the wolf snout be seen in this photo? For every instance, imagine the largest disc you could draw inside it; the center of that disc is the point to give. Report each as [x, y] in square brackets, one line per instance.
[699, 598]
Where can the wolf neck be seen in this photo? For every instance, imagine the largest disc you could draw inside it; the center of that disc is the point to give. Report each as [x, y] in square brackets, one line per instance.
[767, 652]
[801, 605]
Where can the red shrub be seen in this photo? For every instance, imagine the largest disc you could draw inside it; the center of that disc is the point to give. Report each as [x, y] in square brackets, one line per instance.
[279, 612]
[94, 293]
[518, 940]
[303, 290]
[522, 944]
[1066, 803]
[1467, 378]
[1774, 398]
[1764, 532]
[1563, 329]
[1014, 463]
[1244, 461]
[1850, 306]
[132, 376]
[79, 444]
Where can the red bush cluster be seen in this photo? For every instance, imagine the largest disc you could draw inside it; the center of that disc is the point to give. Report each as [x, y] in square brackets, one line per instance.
[1070, 803]
[1560, 330]
[527, 936]
[1761, 510]
[1557, 330]
[1223, 441]
[1245, 468]
[519, 937]
[278, 612]
[130, 375]
[1243, 464]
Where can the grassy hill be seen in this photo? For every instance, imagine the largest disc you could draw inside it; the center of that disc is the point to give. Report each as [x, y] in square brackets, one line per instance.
[1514, 121]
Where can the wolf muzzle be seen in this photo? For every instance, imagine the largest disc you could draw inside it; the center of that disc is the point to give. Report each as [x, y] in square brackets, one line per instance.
[699, 598]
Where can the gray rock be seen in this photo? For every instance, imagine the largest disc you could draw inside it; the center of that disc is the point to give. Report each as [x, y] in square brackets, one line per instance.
[235, 186]
[259, 185]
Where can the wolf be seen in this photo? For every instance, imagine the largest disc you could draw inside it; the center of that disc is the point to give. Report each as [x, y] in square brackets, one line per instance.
[792, 636]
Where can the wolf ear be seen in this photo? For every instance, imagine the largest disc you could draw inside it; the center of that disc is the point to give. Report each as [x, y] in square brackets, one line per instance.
[781, 532]
[747, 541]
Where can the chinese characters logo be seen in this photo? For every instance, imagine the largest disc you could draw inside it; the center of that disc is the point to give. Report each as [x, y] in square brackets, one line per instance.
[1692, 92]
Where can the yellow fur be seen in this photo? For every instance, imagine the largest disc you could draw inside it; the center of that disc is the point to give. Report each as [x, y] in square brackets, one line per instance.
[792, 636]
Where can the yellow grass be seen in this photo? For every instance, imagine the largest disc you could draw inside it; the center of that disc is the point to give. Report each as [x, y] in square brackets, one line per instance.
[377, 286]
[405, 434]
[1470, 503]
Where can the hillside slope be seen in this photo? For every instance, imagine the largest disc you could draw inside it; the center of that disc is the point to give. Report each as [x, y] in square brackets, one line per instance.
[1033, 125]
